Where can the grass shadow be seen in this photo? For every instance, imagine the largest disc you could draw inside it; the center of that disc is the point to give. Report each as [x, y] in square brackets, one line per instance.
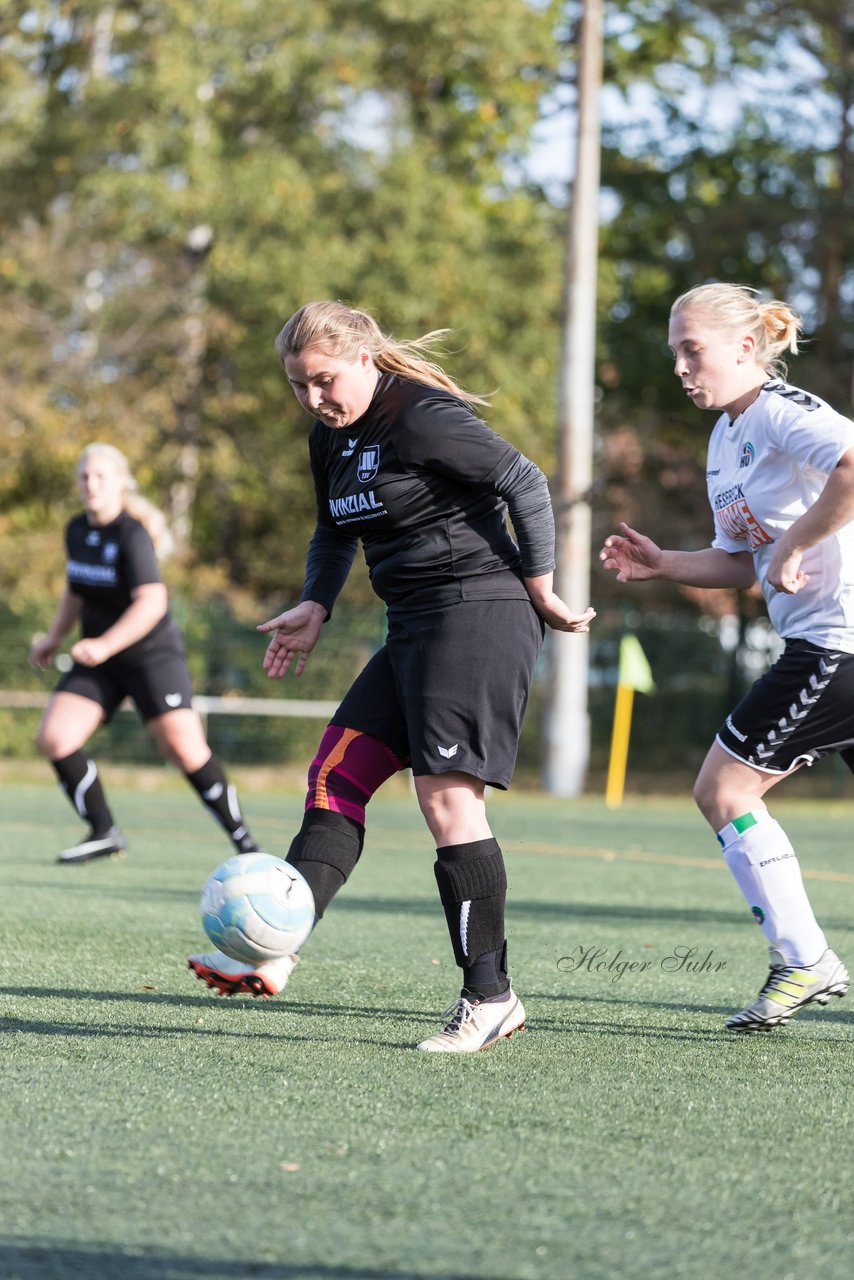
[39, 1261]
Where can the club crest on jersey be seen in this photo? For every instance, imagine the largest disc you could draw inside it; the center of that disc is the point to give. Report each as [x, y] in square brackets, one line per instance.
[747, 455]
[110, 552]
[368, 464]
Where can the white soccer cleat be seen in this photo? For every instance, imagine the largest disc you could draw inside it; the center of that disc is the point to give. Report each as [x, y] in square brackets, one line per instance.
[474, 1025]
[231, 977]
[95, 847]
[789, 988]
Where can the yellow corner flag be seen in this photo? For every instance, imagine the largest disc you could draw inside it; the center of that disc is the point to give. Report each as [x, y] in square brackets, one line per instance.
[633, 673]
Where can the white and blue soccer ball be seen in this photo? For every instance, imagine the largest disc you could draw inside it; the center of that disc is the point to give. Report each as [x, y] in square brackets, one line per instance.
[257, 907]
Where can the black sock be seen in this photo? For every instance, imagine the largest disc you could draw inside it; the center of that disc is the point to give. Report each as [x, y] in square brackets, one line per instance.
[472, 887]
[78, 777]
[325, 850]
[486, 977]
[220, 797]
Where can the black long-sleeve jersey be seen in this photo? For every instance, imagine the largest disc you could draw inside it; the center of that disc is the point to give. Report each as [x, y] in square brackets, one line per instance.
[426, 486]
[105, 564]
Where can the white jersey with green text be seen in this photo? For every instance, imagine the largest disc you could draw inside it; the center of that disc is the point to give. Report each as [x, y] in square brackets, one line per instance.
[764, 470]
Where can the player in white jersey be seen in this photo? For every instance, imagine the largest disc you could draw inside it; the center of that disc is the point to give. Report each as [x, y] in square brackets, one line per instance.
[780, 475]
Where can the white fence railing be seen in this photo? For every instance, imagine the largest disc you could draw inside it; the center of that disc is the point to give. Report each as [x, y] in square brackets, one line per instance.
[33, 700]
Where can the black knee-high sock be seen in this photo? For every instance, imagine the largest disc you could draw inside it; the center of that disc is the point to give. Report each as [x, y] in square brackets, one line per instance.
[220, 797]
[78, 777]
[473, 888]
[325, 850]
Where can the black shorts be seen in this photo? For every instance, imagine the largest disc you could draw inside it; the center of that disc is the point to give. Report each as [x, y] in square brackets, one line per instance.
[156, 682]
[448, 690]
[798, 712]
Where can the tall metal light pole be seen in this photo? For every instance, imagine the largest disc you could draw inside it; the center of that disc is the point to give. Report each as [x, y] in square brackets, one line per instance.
[568, 721]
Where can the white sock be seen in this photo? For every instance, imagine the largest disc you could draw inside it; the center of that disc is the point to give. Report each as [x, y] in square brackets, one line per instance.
[760, 856]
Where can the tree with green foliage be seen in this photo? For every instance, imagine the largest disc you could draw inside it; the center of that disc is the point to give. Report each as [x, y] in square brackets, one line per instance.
[178, 179]
[727, 154]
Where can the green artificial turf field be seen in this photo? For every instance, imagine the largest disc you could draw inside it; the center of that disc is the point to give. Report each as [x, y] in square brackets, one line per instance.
[153, 1129]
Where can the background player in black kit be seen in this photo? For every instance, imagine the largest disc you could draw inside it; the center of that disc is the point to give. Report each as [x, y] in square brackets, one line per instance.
[129, 646]
[402, 463]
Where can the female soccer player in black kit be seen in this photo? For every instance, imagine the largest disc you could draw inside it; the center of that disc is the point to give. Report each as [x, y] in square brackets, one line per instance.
[402, 463]
[130, 647]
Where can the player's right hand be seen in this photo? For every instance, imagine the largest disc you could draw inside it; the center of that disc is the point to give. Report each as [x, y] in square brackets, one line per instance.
[295, 633]
[634, 556]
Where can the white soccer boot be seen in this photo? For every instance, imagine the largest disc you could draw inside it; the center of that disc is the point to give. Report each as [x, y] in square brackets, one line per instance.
[789, 988]
[231, 977]
[105, 846]
[474, 1024]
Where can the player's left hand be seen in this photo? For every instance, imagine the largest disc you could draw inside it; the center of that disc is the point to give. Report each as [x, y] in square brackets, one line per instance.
[560, 617]
[551, 608]
[89, 653]
[785, 573]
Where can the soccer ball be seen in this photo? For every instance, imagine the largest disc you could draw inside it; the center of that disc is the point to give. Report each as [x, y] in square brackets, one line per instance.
[256, 907]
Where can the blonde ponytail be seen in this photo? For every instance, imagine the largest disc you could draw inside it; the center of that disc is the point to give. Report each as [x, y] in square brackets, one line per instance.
[738, 309]
[153, 522]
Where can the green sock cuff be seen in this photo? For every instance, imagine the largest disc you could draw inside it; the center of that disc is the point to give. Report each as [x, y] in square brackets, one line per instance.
[735, 829]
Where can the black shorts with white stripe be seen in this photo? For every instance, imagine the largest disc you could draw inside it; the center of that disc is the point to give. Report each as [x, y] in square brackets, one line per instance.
[798, 712]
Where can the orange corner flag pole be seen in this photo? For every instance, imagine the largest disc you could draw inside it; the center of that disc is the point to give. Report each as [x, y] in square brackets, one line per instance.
[633, 674]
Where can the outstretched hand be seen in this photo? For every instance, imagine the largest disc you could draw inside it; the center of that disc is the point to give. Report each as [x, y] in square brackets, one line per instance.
[295, 633]
[634, 556]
